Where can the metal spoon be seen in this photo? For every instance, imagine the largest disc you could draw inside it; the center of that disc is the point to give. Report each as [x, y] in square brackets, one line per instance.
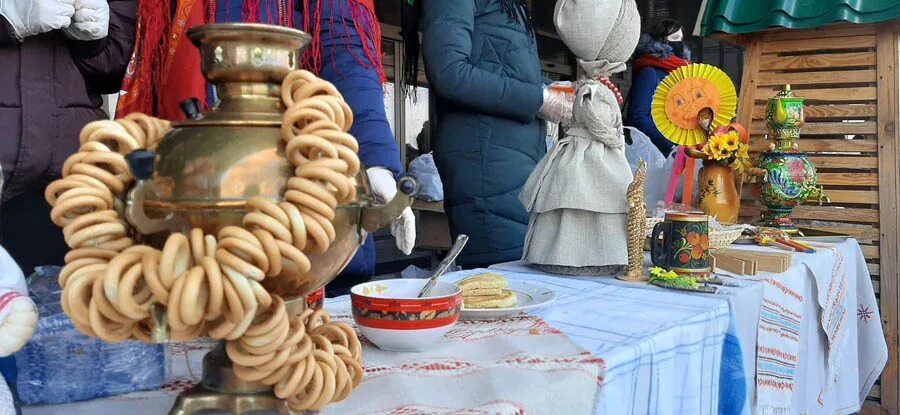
[442, 267]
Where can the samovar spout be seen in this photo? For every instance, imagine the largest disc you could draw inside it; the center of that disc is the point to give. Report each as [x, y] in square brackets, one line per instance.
[377, 217]
[819, 195]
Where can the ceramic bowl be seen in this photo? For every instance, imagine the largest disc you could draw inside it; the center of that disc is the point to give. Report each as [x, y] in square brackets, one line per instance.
[388, 313]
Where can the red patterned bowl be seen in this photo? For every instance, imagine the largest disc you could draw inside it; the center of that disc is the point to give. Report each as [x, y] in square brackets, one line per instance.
[390, 316]
[316, 300]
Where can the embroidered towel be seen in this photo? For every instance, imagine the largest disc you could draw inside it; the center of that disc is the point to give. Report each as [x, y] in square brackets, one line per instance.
[777, 347]
[478, 368]
[831, 285]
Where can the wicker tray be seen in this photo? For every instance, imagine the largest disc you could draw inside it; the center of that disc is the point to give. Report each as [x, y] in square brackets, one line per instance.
[717, 239]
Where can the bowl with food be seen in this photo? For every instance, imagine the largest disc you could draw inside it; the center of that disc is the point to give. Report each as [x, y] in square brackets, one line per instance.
[390, 314]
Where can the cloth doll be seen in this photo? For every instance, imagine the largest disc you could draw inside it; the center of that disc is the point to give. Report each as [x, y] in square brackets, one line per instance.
[18, 319]
[576, 196]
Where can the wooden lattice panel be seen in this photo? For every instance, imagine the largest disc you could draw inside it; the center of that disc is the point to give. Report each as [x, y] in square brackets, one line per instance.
[835, 71]
[849, 77]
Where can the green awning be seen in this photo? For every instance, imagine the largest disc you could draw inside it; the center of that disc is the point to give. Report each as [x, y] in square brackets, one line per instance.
[747, 16]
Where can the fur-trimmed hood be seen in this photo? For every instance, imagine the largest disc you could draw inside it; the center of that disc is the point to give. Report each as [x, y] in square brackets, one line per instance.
[649, 46]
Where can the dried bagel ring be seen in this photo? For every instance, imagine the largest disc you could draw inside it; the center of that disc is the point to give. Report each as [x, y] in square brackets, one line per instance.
[301, 375]
[198, 245]
[77, 202]
[104, 307]
[267, 207]
[97, 253]
[268, 320]
[115, 271]
[260, 372]
[77, 297]
[108, 330]
[150, 265]
[216, 288]
[175, 260]
[269, 224]
[266, 342]
[244, 249]
[305, 395]
[234, 312]
[87, 220]
[242, 357]
[195, 297]
[271, 249]
[173, 312]
[128, 303]
[80, 266]
[232, 261]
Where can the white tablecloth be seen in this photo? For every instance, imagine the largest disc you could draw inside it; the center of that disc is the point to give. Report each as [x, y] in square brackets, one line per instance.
[864, 355]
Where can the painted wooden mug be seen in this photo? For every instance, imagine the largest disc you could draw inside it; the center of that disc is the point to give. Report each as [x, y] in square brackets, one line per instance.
[681, 244]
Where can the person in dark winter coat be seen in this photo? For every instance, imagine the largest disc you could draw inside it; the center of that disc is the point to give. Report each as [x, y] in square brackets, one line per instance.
[658, 53]
[481, 61]
[58, 57]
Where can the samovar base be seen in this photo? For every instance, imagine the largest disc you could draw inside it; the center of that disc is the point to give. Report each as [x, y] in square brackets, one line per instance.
[221, 390]
[782, 223]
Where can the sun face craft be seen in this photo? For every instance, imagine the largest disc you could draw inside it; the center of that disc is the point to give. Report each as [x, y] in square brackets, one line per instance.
[686, 91]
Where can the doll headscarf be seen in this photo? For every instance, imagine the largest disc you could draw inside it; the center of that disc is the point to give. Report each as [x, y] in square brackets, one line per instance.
[601, 33]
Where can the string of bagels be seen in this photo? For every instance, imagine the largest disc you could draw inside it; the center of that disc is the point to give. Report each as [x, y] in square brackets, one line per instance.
[211, 285]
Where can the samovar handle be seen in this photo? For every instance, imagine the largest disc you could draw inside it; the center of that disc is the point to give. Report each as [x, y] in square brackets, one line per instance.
[377, 217]
[140, 162]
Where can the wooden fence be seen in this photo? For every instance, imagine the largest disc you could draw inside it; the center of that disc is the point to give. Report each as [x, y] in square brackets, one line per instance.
[848, 75]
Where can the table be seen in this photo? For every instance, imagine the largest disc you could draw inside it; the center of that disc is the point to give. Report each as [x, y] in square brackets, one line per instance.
[671, 353]
[864, 355]
[663, 348]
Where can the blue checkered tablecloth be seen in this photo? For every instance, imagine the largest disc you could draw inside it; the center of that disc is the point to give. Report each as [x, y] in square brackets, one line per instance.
[663, 351]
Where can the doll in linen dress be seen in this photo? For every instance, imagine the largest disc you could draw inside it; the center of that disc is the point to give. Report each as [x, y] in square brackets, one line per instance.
[576, 197]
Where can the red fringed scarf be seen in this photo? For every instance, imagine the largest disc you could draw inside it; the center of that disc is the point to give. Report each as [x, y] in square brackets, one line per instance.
[668, 64]
[365, 23]
[151, 86]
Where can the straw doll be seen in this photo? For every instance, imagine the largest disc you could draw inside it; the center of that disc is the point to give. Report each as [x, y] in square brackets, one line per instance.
[576, 197]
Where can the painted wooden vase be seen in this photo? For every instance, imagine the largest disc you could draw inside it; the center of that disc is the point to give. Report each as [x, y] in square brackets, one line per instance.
[681, 243]
[787, 176]
[718, 196]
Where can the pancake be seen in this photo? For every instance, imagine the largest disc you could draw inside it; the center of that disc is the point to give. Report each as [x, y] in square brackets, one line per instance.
[487, 280]
[505, 299]
[482, 291]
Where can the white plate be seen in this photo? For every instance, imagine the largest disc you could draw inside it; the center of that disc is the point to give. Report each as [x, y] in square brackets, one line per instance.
[530, 297]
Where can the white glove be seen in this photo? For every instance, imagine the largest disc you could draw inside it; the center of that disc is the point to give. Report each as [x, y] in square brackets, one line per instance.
[384, 187]
[557, 106]
[90, 21]
[33, 17]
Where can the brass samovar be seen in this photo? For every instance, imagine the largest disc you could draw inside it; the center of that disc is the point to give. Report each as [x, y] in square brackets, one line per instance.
[207, 167]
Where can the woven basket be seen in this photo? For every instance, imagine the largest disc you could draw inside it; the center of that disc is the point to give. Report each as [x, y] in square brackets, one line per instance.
[651, 222]
[721, 239]
[717, 239]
